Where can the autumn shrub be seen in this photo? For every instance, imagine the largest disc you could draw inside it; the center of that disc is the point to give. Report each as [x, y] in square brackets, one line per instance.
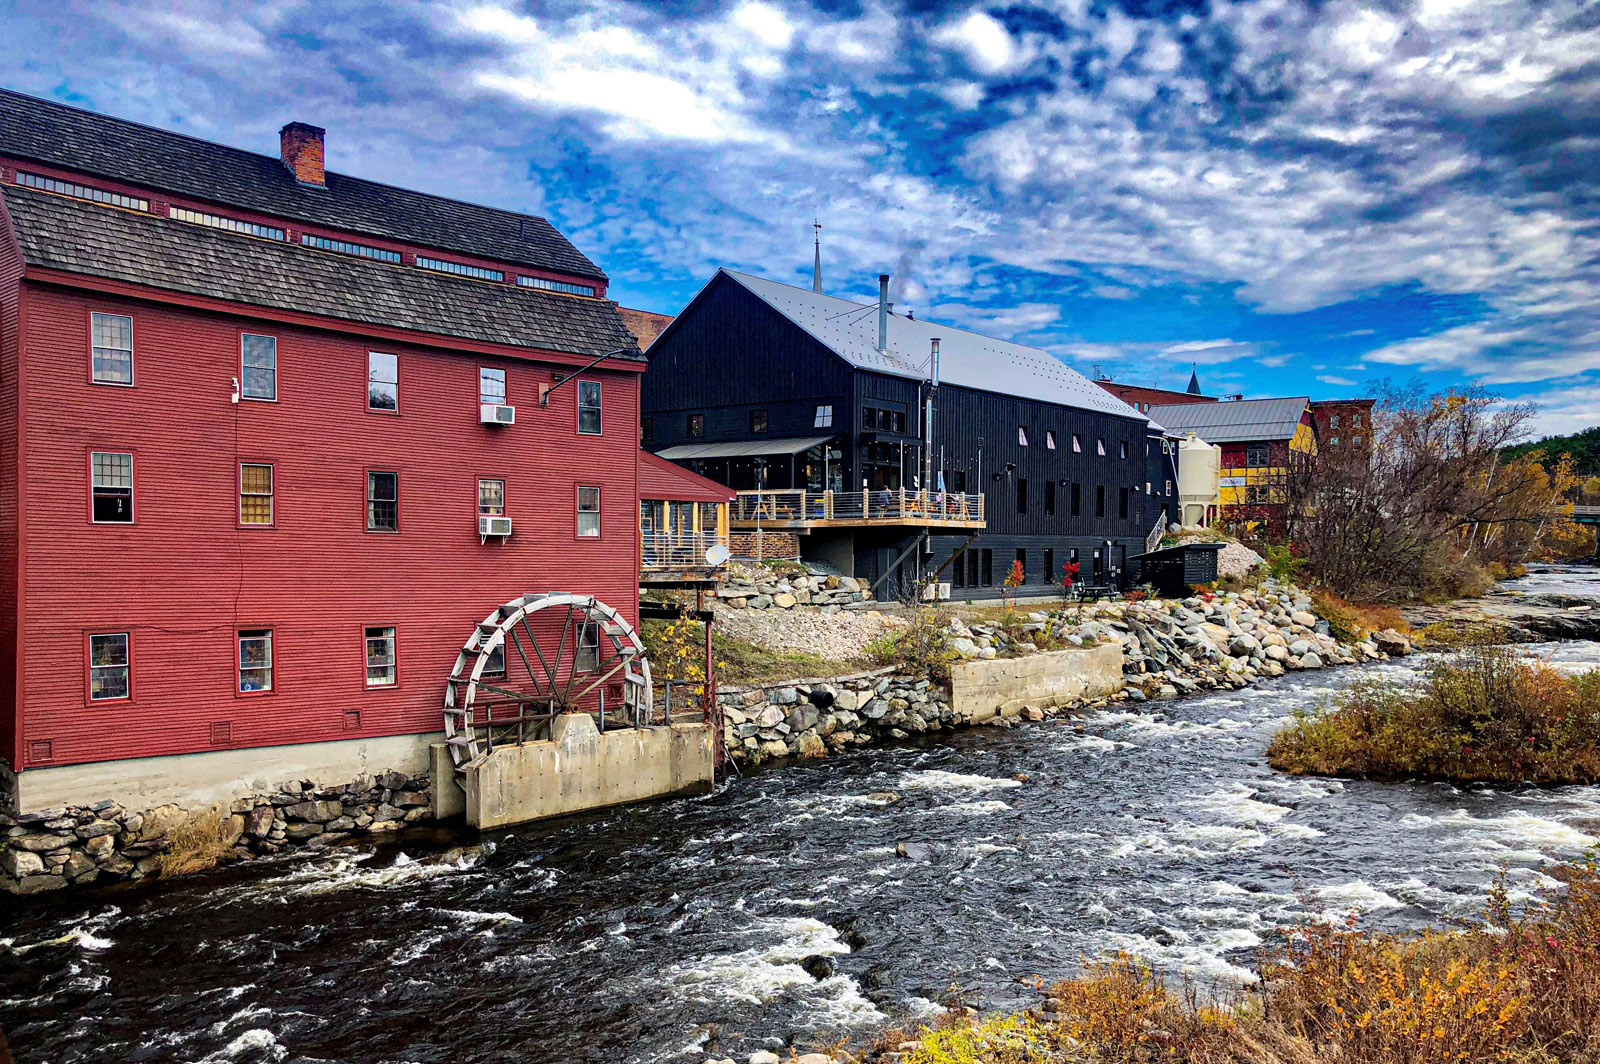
[1350, 622]
[921, 647]
[1482, 715]
[195, 844]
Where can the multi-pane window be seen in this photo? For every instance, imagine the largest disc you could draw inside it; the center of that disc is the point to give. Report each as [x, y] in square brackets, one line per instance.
[491, 498]
[758, 422]
[111, 487]
[1022, 436]
[1077, 443]
[69, 188]
[589, 408]
[556, 286]
[697, 425]
[1257, 456]
[1333, 421]
[108, 666]
[112, 348]
[217, 221]
[344, 247]
[588, 653]
[258, 366]
[588, 512]
[1050, 439]
[824, 417]
[255, 660]
[383, 502]
[255, 493]
[491, 386]
[383, 381]
[380, 657]
[461, 269]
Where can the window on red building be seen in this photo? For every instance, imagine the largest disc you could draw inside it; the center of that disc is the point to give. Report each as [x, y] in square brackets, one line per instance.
[113, 348]
[255, 494]
[588, 512]
[491, 386]
[112, 487]
[380, 657]
[589, 408]
[588, 654]
[108, 666]
[383, 381]
[383, 502]
[258, 367]
[255, 660]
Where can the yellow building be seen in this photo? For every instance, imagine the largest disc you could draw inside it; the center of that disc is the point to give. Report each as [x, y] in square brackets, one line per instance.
[1259, 439]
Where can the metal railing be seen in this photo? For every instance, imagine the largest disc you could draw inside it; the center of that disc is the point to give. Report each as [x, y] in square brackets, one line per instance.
[890, 507]
[677, 550]
[1153, 540]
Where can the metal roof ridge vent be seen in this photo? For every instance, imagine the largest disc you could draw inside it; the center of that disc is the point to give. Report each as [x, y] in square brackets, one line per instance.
[883, 313]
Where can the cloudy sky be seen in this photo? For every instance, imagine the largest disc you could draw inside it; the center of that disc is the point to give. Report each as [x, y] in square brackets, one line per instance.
[1297, 197]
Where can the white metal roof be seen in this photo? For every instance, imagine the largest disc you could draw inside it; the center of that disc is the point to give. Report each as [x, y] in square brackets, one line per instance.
[1236, 421]
[969, 359]
[742, 448]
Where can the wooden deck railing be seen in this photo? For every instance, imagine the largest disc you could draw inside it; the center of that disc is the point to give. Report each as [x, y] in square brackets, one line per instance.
[677, 550]
[889, 507]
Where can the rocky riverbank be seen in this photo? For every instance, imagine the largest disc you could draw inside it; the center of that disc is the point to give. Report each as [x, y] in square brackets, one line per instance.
[1169, 648]
[52, 849]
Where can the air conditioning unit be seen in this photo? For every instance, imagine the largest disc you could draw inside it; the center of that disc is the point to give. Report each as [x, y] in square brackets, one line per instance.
[495, 414]
[493, 526]
[933, 592]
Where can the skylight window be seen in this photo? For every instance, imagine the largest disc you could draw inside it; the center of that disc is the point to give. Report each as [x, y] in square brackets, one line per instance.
[556, 286]
[232, 225]
[84, 192]
[460, 269]
[344, 247]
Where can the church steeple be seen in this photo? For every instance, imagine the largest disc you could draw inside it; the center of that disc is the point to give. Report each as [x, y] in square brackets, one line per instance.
[816, 263]
[1194, 379]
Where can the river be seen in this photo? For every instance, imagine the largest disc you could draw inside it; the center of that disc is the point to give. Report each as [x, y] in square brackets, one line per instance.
[662, 932]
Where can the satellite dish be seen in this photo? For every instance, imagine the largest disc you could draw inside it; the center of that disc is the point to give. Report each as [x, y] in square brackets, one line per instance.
[717, 554]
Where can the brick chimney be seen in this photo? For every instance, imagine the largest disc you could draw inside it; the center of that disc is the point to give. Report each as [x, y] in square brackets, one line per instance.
[301, 147]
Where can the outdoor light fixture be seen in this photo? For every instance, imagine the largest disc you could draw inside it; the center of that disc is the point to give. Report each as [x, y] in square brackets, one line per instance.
[560, 379]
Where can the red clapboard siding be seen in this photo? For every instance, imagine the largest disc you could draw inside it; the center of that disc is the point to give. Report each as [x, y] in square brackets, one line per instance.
[10, 288]
[186, 575]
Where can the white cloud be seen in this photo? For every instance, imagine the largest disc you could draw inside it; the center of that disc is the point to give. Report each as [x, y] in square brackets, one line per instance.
[1342, 382]
[987, 44]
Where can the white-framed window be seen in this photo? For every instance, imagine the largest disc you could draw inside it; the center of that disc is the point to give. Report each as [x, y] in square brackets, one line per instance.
[589, 408]
[255, 493]
[1169, 488]
[383, 381]
[824, 417]
[1147, 487]
[588, 512]
[491, 497]
[258, 366]
[491, 386]
[1077, 444]
[383, 501]
[255, 660]
[111, 356]
[496, 665]
[1333, 421]
[1050, 439]
[109, 668]
[380, 657]
[588, 653]
[1100, 446]
[1022, 436]
[111, 487]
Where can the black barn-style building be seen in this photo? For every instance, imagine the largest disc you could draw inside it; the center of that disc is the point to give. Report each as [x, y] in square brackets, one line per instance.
[819, 404]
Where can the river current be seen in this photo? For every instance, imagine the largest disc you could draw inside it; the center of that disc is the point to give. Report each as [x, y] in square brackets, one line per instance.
[668, 931]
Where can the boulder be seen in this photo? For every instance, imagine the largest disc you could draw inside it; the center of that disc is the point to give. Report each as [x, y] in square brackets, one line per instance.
[1304, 619]
[315, 812]
[1310, 661]
[774, 748]
[783, 600]
[36, 843]
[40, 884]
[19, 864]
[810, 744]
[818, 966]
[1391, 642]
[259, 820]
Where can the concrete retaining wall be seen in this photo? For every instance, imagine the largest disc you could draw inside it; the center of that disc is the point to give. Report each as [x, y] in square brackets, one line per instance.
[982, 689]
[578, 768]
[217, 775]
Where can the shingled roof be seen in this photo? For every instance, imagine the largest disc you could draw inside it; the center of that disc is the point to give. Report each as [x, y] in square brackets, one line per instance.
[85, 238]
[79, 140]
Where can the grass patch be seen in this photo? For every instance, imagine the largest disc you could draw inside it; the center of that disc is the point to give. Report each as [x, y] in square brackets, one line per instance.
[1350, 622]
[1524, 990]
[1483, 715]
[195, 845]
[738, 661]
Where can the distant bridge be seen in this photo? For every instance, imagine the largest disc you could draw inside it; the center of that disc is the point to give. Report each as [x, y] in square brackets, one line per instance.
[1586, 515]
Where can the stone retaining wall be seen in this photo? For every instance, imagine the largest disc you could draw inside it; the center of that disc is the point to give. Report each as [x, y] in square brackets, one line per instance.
[80, 845]
[826, 594]
[764, 546]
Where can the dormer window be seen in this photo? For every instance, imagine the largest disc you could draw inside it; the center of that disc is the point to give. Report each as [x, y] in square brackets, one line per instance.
[460, 269]
[345, 247]
[83, 192]
[232, 225]
[556, 286]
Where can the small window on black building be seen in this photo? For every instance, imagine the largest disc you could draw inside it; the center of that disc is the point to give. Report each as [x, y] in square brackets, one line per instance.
[869, 417]
[1022, 436]
[988, 567]
[1100, 446]
[697, 426]
[958, 481]
[823, 418]
[1077, 500]
[1049, 566]
[758, 422]
[1122, 503]
[1099, 500]
[972, 568]
[958, 571]
[886, 420]
[899, 422]
[1049, 498]
[1122, 449]
[1022, 496]
[1050, 439]
[647, 429]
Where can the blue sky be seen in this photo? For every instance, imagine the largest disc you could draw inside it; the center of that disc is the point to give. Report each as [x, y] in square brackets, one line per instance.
[1299, 197]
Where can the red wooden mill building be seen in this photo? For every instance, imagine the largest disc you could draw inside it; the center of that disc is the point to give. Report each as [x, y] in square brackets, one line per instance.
[272, 446]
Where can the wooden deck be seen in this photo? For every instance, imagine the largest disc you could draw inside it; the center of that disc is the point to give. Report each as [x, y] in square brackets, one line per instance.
[803, 510]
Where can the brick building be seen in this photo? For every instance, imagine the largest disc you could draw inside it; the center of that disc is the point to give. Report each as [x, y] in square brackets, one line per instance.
[246, 454]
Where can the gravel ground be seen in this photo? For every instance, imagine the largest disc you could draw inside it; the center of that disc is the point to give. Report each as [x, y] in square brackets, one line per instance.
[1235, 559]
[837, 637]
